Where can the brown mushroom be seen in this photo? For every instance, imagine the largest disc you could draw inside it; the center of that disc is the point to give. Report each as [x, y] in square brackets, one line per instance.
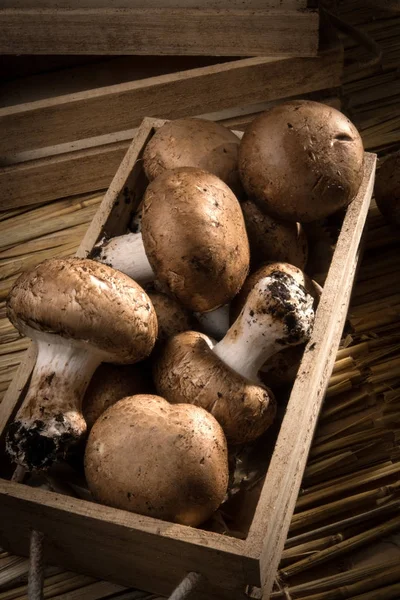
[172, 318]
[273, 239]
[280, 369]
[153, 458]
[301, 161]
[111, 383]
[194, 143]
[224, 379]
[79, 313]
[387, 189]
[193, 240]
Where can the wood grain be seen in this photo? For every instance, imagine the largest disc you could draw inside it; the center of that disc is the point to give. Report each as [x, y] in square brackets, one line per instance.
[119, 107]
[275, 508]
[122, 547]
[188, 31]
[250, 4]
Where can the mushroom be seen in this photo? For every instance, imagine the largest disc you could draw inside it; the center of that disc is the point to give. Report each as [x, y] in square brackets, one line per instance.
[79, 313]
[387, 189]
[153, 458]
[273, 239]
[171, 316]
[281, 368]
[224, 379]
[193, 240]
[111, 383]
[302, 280]
[194, 143]
[301, 161]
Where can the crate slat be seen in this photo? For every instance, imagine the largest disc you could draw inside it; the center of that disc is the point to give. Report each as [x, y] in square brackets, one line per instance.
[187, 31]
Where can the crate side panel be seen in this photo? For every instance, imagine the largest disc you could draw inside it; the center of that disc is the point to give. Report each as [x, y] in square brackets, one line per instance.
[278, 497]
[119, 546]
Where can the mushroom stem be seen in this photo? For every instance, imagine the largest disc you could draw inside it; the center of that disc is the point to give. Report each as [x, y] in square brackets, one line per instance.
[277, 313]
[50, 419]
[126, 253]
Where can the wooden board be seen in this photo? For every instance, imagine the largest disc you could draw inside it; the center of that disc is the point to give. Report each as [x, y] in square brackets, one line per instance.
[154, 555]
[189, 31]
[115, 108]
[88, 165]
[253, 4]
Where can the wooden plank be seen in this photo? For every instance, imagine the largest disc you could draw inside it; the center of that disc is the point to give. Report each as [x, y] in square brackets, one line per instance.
[274, 511]
[216, 32]
[120, 107]
[106, 71]
[92, 168]
[250, 4]
[55, 177]
[127, 547]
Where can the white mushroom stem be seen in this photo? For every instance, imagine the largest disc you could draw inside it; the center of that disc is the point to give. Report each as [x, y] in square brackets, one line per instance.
[126, 253]
[50, 418]
[216, 322]
[277, 313]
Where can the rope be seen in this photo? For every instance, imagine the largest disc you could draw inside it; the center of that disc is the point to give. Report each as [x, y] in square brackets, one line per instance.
[186, 586]
[36, 571]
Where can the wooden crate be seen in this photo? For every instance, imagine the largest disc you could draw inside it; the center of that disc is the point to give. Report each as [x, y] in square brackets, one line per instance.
[197, 27]
[154, 555]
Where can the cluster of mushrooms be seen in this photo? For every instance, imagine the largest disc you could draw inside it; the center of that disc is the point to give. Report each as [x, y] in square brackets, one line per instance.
[211, 293]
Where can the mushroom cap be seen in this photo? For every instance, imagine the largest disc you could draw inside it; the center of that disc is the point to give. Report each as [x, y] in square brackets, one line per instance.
[153, 458]
[195, 238]
[387, 189]
[303, 280]
[88, 303]
[194, 143]
[171, 316]
[301, 160]
[188, 371]
[111, 383]
[274, 239]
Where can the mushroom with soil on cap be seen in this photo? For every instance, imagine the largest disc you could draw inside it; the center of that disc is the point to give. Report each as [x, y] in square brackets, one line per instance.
[281, 368]
[224, 379]
[273, 239]
[80, 313]
[194, 143]
[181, 476]
[301, 161]
[193, 240]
